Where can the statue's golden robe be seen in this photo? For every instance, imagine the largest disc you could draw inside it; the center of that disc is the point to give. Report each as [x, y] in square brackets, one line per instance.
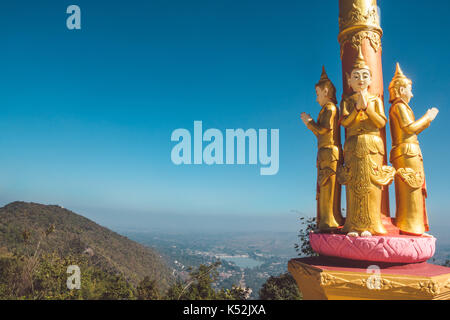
[327, 132]
[406, 156]
[364, 173]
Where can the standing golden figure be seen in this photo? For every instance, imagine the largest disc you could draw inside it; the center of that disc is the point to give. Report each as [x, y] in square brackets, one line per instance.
[406, 156]
[362, 114]
[398, 249]
[327, 132]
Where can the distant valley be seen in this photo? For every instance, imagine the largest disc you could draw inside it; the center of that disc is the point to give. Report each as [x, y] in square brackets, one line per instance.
[248, 259]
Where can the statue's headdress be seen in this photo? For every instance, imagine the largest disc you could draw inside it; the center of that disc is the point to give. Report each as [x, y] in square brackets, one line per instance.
[399, 75]
[399, 80]
[323, 77]
[360, 63]
[326, 82]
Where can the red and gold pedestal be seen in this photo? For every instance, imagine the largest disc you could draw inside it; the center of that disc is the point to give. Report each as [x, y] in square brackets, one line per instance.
[326, 278]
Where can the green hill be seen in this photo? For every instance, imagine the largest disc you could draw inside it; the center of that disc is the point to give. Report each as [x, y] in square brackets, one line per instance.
[24, 223]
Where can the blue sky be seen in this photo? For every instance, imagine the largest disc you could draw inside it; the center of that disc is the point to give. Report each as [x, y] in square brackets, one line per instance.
[86, 116]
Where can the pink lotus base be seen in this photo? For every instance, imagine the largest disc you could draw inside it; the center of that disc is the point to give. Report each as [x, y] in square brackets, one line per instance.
[391, 249]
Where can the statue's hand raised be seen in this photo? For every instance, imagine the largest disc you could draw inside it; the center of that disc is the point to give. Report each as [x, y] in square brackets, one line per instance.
[432, 113]
[306, 118]
[361, 104]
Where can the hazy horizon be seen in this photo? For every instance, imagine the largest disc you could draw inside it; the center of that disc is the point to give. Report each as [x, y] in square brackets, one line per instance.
[120, 220]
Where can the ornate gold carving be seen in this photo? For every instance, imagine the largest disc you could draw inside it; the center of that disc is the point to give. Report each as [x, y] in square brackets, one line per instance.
[344, 175]
[429, 287]
[381, 175]
[357, 17]
[374, 39]
[412, 178]
[359, 21]
[327, 279]
[324, 175]
[356, 40]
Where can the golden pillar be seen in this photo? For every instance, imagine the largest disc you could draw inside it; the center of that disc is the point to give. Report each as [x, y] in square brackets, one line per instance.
[360, 32]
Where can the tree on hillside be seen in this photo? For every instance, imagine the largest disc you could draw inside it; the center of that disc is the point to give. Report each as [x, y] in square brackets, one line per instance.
[10, 272]
[148, 290]
[50, 277]
[199, 286]
[304, 247]
[34, 274]
[31, 261]
[282, 287]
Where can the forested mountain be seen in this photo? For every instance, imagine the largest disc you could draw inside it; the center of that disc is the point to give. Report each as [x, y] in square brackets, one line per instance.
[40, 245]
[29, 229]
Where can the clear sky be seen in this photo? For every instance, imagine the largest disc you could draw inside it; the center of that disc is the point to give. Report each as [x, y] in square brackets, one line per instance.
[86, 116]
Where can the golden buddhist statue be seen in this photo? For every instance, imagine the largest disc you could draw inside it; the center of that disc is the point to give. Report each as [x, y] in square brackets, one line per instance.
[363, 173]
[372, 256]
[406, 156]
[327, 132]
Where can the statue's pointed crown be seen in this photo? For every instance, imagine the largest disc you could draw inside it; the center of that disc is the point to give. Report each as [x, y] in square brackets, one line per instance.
[324, 76]
[399, 80]
[399, 75]
[360, 63]
[325, 81]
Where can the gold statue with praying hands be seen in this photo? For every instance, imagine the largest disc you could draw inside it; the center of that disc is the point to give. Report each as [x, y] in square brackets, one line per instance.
[363, 173]
[327, 132]
[406, 156]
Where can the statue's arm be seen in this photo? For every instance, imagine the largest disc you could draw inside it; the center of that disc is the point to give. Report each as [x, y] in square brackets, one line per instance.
[325, 122]
[407, 124]
[376, 114]
[347, 118]
[316, 128]
[419, 125]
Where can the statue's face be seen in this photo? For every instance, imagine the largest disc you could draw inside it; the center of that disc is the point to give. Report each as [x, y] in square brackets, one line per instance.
[322, 95]
[360, 80]
[406, 93]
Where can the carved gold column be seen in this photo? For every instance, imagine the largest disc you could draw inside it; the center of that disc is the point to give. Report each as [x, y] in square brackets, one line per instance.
[359, 29]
